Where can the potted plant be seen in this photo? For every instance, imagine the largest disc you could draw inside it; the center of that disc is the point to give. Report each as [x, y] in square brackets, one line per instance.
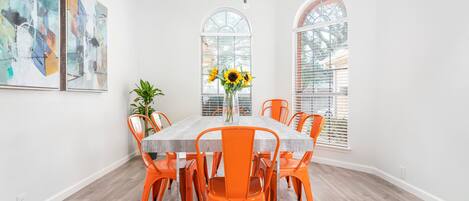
[143, 103]
[146, 94]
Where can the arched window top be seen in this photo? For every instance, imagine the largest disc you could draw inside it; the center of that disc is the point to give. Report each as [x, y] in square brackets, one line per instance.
[227, 21]
[323, 11]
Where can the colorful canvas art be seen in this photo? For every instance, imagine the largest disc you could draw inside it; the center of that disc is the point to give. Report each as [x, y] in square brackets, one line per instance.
[29, 43]
[86, 45]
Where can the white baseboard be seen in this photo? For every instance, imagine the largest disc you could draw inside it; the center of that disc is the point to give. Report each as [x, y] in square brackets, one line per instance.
[406, 186]
[346, 165]
[81, 184]
[382, 174]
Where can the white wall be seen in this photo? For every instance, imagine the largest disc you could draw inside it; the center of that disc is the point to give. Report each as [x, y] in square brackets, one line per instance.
[423, 99]
[51, 140]
[170, 50]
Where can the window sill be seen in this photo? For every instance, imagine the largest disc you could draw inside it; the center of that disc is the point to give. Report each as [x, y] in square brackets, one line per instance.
[333, 148]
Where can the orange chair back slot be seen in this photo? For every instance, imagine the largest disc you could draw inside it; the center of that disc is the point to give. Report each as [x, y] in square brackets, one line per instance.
[237, 145]
[317, 126]
[237, 152]
[156, 120]
[137, 128]
[278, 109]
[301, 120]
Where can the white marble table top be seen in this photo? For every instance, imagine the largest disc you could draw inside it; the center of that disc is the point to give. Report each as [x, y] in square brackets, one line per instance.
[180, 137]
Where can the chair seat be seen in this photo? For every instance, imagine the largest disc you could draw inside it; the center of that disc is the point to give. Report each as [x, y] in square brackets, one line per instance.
[285, 163]
[189, 156]
[283, 154]
[165, 165]
[286, 154]
[193, 156]
[217, 187]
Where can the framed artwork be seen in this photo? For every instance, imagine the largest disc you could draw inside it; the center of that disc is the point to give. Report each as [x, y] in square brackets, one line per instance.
[86, 46]
[29, 44]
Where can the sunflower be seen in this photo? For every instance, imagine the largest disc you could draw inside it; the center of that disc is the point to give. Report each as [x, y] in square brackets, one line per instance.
[213, 75]
[233, 76]
[247, 79]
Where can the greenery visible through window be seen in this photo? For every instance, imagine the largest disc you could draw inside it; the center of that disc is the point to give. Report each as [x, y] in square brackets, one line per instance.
[321, 73]
[226, 43]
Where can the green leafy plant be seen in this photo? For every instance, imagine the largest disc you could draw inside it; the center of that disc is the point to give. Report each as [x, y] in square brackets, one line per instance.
[146, 94]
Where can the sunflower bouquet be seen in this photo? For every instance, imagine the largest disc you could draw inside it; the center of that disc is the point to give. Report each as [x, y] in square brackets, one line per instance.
[232, 81]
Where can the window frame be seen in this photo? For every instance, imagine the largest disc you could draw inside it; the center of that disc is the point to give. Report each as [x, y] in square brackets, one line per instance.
[298, 28]
[235, 36]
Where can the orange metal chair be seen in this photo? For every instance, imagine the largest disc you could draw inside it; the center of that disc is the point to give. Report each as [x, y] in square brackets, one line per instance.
[289, 155]
[238, 183]
[302, 117]
[296, 169]
[301, 120]
[156, 120]
[160, 172]
[278, 109]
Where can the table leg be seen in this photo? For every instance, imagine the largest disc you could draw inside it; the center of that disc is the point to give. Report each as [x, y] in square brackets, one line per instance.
[178, 179]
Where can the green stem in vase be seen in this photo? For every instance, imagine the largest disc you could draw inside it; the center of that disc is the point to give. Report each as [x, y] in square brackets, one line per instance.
[229, 107]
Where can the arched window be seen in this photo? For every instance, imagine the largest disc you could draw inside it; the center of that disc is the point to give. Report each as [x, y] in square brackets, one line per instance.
[322, 68]
[226, 43]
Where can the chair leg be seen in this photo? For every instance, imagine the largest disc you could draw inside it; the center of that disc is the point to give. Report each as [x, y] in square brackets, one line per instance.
[156, 189]
[164, 183]
[170, 184]
[307, 185]
[183, 184]
[288, 181]
[198, 190]
[297, 187]
[255, 165]
[273, 187]
[216, 163]
[186, 189]
[149, 180]
[206, 169]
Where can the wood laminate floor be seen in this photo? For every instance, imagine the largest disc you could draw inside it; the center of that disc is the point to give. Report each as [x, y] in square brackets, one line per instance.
[329, 184]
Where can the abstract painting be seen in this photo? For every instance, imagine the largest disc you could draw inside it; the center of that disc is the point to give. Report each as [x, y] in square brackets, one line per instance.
[86, 46]
[29, 43]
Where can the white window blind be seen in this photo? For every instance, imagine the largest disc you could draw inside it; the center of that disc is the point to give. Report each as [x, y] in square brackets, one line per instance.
[322, 69]
[226, 43]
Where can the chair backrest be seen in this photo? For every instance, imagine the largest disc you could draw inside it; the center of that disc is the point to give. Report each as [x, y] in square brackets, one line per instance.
[156, 120]
[237, 143]
[302, 116]
[136, 125]
[316, 126]
[315, 130]
[278, 109]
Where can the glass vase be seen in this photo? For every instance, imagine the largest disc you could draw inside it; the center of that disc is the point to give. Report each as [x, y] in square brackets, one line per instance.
[231, 108]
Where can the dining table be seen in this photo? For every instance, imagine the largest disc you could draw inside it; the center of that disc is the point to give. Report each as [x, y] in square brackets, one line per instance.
[181, 137]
